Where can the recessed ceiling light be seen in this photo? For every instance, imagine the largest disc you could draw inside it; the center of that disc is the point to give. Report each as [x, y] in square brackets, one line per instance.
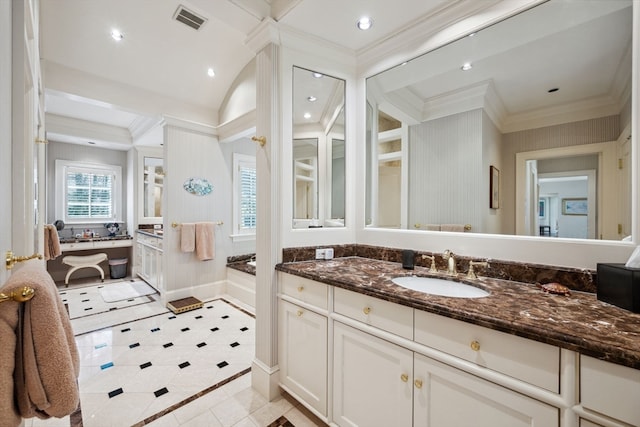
[312, 98]
[307, 115]
[116, 35]
[211, 73]
[466, 66]
[317, 75]
[364, 23]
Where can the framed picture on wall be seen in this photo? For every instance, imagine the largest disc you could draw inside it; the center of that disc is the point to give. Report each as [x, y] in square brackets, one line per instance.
[542, 208]
[494, 187]
[575, 206]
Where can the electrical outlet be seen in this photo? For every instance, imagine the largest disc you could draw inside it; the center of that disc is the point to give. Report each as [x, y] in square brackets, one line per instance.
[320, 253]
[328, 253]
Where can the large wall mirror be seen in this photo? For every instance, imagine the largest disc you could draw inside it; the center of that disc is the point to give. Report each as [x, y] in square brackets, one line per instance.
[150, 184]
[318, 150]
[522, 128]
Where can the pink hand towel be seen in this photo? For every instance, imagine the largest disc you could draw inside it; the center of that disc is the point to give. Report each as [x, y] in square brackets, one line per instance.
[52, 248]
[188, 237]
[205, 241]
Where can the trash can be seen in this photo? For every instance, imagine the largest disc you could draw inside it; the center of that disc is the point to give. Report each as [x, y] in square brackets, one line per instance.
[118, 268]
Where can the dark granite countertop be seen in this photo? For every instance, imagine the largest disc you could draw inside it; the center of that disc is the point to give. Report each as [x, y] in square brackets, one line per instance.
[578, 322]
[93, 239]
[153, 233]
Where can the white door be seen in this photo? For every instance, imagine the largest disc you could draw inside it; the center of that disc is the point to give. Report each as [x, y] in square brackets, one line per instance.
[21, 116]
[448, 397]
[372, 381]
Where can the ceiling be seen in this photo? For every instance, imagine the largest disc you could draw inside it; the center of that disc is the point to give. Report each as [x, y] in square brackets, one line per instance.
[164, 62]
[162, 59]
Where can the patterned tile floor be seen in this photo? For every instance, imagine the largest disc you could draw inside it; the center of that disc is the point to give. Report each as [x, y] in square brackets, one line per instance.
[143, 365]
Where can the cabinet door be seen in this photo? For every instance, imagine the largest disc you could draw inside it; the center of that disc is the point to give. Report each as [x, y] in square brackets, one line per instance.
[303, 354]
[372, 380]
[445, 397]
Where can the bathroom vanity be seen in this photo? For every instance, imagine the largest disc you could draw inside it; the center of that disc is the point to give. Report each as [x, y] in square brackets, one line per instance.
[148, 258]
[359, 350]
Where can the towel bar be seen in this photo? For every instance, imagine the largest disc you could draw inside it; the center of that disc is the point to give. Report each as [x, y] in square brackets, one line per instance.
[19, 295]
[178, 224]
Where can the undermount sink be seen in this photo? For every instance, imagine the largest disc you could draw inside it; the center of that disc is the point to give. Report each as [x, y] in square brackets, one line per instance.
[442, 287]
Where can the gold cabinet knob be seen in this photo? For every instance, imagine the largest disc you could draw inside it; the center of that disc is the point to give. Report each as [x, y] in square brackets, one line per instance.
[300, 288]
[418, 383]
[475, 346]
[404, 378]
[299, 313]
[366, 310]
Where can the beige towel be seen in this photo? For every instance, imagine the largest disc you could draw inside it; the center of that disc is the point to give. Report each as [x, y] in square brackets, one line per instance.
[47, 362]
[205, 241]
[452, 227]
[432, 227]
[188, 237]
[9, 416]
[51, 242]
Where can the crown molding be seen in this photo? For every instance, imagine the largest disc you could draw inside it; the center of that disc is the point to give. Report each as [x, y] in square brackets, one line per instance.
[446, 24]
[267, 32]
[77, 131]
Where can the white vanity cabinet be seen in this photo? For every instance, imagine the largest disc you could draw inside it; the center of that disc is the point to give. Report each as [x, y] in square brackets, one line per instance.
[378, 383]
[149, 260]
[302, 338]
[445, 396]
[358, 360]
[372, 380]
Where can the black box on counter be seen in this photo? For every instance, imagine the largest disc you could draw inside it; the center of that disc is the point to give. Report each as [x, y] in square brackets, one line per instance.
[619, 285]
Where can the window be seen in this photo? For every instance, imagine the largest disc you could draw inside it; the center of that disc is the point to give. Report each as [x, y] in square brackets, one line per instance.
[88, 193]
[244, 195]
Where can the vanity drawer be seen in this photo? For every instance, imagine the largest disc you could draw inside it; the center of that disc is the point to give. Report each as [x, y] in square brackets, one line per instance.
[610, 389]
[391, 317]
[305, 290]
[527, 360]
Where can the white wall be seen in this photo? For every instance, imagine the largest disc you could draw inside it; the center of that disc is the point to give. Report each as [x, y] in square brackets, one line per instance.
[192, 151]
[241, 96]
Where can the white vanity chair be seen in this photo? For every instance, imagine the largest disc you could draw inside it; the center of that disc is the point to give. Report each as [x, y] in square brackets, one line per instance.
[84, 261]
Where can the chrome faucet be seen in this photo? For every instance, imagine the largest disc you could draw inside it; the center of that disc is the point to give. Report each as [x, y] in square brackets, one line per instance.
[451, 262]
[472, 274]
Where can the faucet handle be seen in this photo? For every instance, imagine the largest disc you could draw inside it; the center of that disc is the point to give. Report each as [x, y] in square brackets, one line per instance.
[471, 274]
[433, 268]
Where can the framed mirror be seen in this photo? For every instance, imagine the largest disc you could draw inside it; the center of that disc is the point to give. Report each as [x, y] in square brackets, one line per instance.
[318, 150]
[150, 185]
[555, 77]
[153, 178]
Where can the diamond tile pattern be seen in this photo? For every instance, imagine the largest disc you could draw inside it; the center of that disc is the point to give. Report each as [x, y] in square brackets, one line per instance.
[159, 361]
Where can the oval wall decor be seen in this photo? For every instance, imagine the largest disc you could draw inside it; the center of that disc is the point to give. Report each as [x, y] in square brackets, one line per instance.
[198, 186]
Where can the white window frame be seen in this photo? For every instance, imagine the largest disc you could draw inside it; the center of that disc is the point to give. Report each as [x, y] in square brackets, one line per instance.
[240, 161]
[62, 166]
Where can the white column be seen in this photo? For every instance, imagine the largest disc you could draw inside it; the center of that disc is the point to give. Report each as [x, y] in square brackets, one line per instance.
[268, 244]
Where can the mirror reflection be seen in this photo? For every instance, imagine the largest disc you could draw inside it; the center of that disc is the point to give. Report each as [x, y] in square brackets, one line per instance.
[318, 150]
[519, 101]
[153, 184]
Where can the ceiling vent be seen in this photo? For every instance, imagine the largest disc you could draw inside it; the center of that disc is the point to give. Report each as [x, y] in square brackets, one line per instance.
[189, 18]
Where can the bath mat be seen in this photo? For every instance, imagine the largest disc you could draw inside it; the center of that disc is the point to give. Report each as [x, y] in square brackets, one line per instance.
[125, 290]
